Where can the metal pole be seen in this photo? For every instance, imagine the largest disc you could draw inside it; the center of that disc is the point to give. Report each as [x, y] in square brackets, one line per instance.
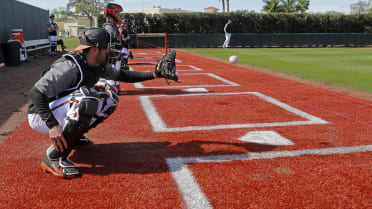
[166, 42]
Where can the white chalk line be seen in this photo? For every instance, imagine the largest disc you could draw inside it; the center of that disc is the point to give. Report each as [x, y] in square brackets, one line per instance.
[192, 68]
[227, 82]
[194, 196]
[159, 125]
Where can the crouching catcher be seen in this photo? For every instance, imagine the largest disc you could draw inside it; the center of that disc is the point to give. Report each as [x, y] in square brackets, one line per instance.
[65, 105]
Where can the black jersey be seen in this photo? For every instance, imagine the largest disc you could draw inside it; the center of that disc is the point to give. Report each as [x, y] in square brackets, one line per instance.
[113, 30]
[125, 34]
[228, 28]
[54, 25]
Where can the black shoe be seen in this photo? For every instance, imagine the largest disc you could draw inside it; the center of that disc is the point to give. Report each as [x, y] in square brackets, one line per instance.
[59, 167]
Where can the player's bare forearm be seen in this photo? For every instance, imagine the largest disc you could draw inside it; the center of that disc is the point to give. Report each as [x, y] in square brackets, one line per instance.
[57, 138]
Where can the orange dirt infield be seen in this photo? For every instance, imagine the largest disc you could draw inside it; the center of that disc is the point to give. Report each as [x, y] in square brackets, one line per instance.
[235, 139]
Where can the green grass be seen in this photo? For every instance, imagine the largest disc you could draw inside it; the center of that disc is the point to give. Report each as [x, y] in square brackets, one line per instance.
[70, 43]
[348, 67]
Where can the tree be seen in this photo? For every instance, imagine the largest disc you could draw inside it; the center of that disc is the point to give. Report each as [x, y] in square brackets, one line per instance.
[302, 6]
[87, 8]
[223, 5]
[361, 7]
[228, 6]
[286, 6]
[62, 13]
[271, 6]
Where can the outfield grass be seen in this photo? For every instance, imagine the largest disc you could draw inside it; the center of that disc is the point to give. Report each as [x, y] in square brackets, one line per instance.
[348, 67]
[70, 43]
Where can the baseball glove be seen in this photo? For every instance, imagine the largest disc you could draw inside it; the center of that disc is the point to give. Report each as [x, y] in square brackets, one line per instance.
[166, 67]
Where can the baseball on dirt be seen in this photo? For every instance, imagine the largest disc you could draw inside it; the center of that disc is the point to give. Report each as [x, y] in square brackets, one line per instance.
[234, 59]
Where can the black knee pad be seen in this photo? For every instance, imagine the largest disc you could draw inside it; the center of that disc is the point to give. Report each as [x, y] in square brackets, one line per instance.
[78, 119]
[88, 106]
[73, 130]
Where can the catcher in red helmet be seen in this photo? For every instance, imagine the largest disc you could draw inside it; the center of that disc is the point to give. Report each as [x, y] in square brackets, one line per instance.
[113, 10]
[113, 20]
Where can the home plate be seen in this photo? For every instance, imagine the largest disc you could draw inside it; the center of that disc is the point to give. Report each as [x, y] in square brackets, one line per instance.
[265, 137]
[198, 90]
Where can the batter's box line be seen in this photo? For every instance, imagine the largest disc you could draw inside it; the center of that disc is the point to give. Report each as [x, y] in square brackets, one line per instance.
[193, 195]
[159, 125]
[193, 68]
[227, 83]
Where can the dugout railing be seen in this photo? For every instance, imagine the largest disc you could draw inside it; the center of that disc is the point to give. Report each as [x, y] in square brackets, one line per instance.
[245, 40]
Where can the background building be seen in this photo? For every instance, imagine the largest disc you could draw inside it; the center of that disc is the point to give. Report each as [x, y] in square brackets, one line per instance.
[73, 27]
[158, 10]
[211, 10]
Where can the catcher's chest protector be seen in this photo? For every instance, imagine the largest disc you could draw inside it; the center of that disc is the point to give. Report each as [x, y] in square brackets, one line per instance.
[87, 76]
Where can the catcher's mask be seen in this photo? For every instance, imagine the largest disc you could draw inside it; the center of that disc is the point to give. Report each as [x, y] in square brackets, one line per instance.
[113, 55]
[113, 10]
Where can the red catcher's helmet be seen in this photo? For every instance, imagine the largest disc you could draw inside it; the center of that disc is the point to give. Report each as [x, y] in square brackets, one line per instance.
[114, 10]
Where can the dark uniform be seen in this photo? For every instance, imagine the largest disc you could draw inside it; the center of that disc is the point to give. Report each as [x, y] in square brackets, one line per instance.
[124, 35]
[115, 35]
[53, 38]
[52, 35]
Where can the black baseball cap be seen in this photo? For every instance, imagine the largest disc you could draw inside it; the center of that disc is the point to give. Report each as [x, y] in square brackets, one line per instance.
[95, 37]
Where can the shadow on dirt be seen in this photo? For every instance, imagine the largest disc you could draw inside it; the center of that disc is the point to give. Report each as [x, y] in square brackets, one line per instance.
[149, 157]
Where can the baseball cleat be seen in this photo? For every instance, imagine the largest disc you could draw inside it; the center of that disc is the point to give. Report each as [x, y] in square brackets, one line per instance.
[59, 167]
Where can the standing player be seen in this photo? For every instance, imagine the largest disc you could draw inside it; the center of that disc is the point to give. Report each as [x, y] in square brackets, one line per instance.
[52, 28]
[112, 12]
[228, 30]
[64, 104]
[125, 42]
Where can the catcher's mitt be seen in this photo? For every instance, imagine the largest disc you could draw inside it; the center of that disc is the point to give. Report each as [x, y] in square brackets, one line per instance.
[167, 68]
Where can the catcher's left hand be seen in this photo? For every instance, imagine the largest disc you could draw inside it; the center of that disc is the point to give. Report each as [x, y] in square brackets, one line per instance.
[166, 67]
